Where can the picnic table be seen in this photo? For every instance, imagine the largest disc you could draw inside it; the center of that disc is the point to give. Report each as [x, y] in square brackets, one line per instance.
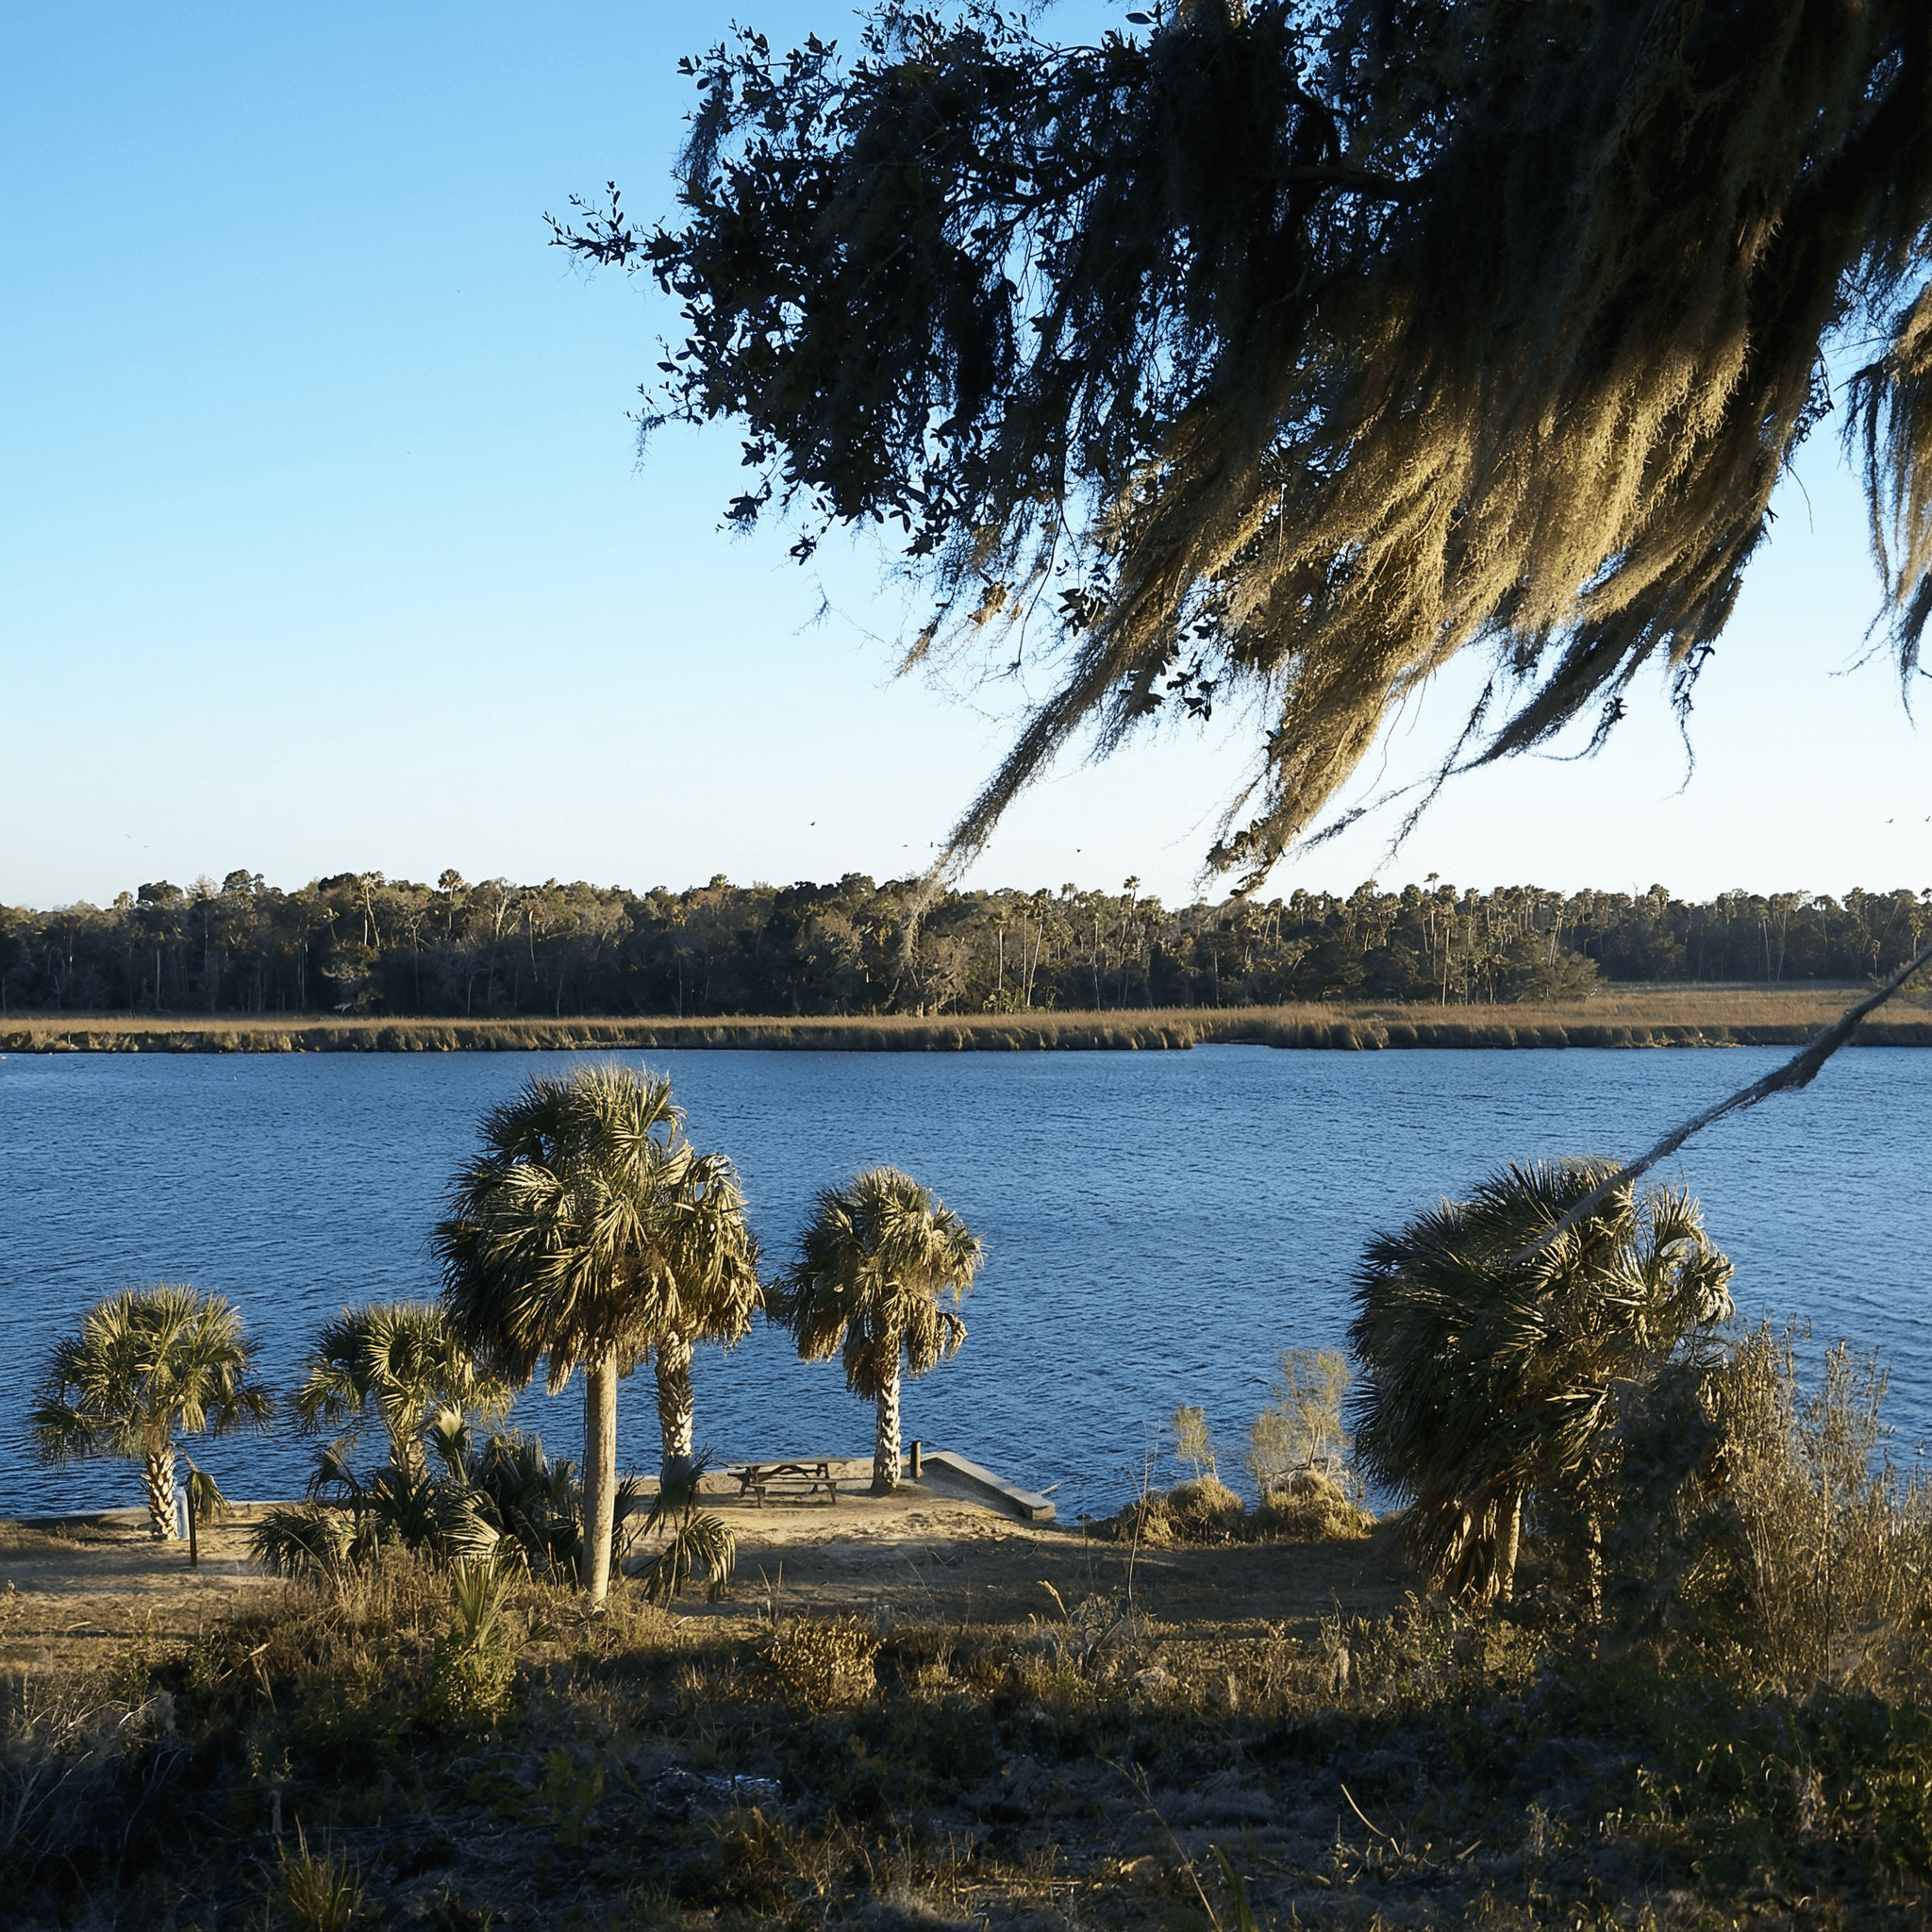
[799, 1480]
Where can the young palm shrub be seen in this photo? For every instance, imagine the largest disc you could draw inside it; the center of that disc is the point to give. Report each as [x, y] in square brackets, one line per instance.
[402, 1364]
[693, 1536]
[873, 1264]
[563, 1244]
[474, 1666]
[148, 1365]
[535, 1506]
[305, 1539]
[1494, 1377]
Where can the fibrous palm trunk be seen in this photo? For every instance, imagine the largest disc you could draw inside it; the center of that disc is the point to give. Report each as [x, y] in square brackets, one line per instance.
[675, 1406]
[885, 1453]
[406, 1451]
[1512, 1543]
[600, 1473]
[157, 1480]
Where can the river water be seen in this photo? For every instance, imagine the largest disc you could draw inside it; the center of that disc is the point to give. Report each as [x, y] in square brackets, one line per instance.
[1160, 1224]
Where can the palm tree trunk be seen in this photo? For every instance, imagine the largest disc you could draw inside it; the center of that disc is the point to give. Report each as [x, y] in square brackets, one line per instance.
[406, 1451]
[1513, 1544]
[157, 1480]
[600, 1473]
[675, 1405]
[885, 1454]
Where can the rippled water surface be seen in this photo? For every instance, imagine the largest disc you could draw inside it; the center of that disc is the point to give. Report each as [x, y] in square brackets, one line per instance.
[1161, 1224]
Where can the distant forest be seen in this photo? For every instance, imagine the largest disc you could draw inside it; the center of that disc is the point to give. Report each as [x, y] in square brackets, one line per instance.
[365, 944]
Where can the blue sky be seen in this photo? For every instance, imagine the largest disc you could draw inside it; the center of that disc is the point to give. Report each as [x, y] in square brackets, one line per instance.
[322, 546]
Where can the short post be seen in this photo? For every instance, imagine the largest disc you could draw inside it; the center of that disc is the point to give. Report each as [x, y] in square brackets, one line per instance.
[917, 1447]
[181, 1514]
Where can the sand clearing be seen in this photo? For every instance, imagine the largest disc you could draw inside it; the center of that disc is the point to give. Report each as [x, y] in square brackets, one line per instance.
[930, 1552]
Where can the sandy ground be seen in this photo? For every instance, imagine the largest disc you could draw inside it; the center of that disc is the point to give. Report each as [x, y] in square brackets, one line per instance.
[929, 1553]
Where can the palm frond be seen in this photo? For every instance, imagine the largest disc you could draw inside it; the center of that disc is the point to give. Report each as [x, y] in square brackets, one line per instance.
[875, 1260]
[1494, 1367]
[148, 1363]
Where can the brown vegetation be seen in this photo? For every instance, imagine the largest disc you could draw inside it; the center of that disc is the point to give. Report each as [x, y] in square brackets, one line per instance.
[1649, 1016]
[914, 1712]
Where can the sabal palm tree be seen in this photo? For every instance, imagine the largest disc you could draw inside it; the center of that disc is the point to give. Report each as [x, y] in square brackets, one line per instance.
[708, 1290]
[873, 1263]
[1490, 1374]
[567, 1240]
[403, 1363]
[148, 1364]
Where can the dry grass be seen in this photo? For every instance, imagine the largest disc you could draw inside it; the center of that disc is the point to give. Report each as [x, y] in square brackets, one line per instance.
[1617, 1017]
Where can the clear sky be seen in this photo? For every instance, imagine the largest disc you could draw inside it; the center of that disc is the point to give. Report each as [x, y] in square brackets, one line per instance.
[322, 547]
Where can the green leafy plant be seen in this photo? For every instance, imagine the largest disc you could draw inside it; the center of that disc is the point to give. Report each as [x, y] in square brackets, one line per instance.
[570, 1793]
[693, 1539]
[317, 1893]
[473, 1665]
[1497, 1363]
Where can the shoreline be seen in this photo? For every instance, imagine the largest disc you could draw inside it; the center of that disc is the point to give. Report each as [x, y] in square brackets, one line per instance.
[1677, 1017]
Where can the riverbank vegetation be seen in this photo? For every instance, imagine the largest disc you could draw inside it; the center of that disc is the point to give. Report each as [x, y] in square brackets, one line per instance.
[1642, 1016]
[361, 946]
[412, 1745]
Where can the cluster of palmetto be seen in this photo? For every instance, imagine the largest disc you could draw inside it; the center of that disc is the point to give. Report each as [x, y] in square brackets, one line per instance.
[1518, 1373]
[586, 1235]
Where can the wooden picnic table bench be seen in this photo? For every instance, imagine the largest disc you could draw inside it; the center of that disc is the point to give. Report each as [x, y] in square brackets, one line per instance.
[798, 1479]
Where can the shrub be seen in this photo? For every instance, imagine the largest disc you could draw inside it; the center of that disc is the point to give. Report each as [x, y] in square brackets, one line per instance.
[1300, 1426]
[1192, 1443]
[1813, 1555]
[822, 1662]
[1204, 1511]
[473, 1666]
[1309, 1506]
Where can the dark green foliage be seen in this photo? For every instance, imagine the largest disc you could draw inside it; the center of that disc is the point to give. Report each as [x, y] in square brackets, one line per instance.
[362, 944]
[694, 1540]
[502, 1502]
[1499, 1377]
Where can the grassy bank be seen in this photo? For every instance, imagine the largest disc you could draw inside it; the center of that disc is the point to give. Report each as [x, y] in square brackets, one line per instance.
[1663, 1016]
[303, 1764]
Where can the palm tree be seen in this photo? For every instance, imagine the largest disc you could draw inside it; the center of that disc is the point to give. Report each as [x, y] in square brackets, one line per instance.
[403, 1363]
[588, 1232]
[873, 1263]
[148, 1364]
[709, 1289]
[1491, 1376]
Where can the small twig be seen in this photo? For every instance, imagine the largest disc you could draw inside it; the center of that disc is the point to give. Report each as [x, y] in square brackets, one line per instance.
[1363, 1815]
[1138, 1778]
[1797, 1071]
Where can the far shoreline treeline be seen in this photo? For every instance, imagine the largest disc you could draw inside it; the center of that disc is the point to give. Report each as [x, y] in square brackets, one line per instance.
[359, 948]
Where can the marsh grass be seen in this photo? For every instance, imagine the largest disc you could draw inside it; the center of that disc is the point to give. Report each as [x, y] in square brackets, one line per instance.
[1619, 1017]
